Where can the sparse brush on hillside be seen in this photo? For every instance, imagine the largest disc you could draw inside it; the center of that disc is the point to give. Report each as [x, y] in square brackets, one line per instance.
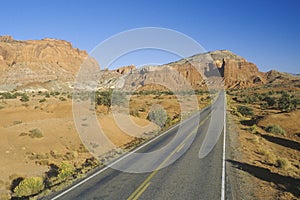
[287, 102]
[245, 111]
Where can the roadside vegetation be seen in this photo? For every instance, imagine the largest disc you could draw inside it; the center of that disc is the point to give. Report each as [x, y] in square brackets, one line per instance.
[268, 135]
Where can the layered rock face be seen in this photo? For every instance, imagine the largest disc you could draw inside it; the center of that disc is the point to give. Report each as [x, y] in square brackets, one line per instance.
[237, 72]
[23, 62]
[53, 64]
[212, 69]
[126, 69]
[241, 74]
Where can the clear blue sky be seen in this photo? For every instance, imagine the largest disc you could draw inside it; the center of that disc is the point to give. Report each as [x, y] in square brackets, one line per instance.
[265, 32]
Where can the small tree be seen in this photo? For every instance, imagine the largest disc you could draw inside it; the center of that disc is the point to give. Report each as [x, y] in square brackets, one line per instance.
[104, 98]
[287, 102]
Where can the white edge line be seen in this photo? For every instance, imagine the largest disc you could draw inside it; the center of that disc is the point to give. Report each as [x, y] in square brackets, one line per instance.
[122, 158]
[224, 149]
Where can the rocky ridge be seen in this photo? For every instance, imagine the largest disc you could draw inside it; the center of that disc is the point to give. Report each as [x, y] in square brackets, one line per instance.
[51, 64]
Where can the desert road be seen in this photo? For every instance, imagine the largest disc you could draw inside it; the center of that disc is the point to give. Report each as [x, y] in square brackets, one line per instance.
[191, 174]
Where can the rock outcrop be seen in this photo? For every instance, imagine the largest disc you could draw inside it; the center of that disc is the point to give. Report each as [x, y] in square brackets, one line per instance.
[212, 69]
[46, 60]
[126, 69]
[237, 72]
[53, 64]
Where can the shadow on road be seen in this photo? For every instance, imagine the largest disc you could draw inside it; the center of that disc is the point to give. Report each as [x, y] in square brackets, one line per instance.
[284, 183]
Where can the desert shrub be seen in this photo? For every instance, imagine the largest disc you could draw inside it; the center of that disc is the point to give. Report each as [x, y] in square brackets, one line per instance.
[24, 98]
[62, 98]
[252, 128]
[282, 163]
[271, 92]
[270, 101]
[42, 100]
[287, 102]
[274, 128]
[104, 98]
[23, 134]
[65, 171]
[263, 152]
[17, 122]
[254, 139]
[270, 158]
[29, 186]
[264, 105]
[158, 115]
[245, 111]
[8, 95]
[134, 113]
[36, 133]
[1, 107]
[47, 95]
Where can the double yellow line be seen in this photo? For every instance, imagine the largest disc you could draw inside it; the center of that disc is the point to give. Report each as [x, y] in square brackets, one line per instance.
[139, 191]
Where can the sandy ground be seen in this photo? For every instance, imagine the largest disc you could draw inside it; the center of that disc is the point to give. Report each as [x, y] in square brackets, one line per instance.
[55, 120]
[23, 156]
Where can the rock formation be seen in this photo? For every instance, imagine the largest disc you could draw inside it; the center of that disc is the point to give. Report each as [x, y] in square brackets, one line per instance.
[23, 62]
[53, 64]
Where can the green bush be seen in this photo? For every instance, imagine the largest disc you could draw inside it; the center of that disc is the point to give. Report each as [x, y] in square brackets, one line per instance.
[287, 102]
[158, 115]
[282, 163]
[62, 98]
[42, 100]
[65, 171]
[47, 95]
[8, 95]
[275, 129]
[29, 186]
[36, 133]
[252, 128]
[24, 98]
[245, 111]
[270, 101]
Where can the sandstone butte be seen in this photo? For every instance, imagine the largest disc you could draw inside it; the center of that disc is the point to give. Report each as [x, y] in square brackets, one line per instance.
[53, 64]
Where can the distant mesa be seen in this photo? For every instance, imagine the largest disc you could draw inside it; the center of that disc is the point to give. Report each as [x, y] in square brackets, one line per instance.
[52, 64]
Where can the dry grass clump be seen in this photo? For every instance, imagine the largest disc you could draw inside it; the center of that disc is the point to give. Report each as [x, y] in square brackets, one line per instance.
[276, 129]
[282, 163]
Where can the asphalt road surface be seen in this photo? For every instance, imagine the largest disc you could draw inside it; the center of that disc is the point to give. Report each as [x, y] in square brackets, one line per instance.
[180, 170]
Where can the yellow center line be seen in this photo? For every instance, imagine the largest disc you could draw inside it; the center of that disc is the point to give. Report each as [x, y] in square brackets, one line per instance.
[138, 192]
[141, 191]
[180, 147]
